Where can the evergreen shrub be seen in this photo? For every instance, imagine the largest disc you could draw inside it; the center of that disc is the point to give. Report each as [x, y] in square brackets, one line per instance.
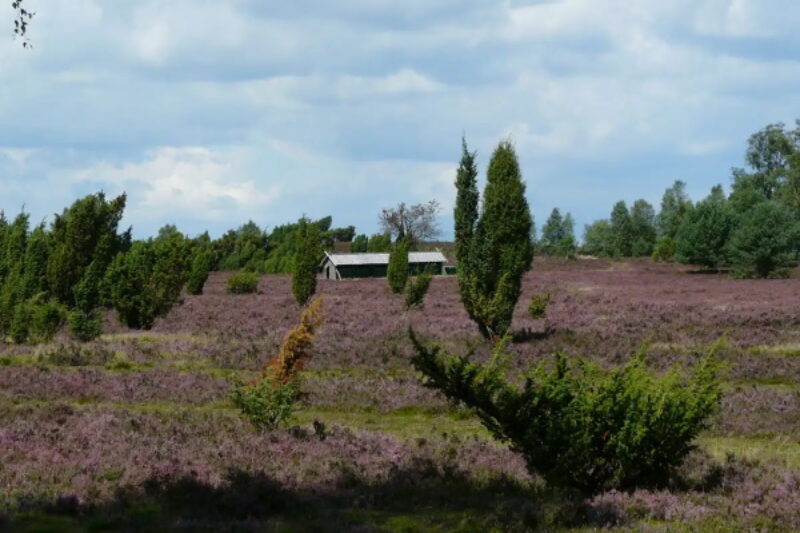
[243, 283]
[578, 426]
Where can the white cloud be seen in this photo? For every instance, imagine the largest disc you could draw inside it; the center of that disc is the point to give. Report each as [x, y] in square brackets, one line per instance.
[185, 182]
[209, 111]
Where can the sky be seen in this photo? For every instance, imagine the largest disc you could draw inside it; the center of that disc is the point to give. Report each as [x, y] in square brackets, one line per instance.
[208, 113]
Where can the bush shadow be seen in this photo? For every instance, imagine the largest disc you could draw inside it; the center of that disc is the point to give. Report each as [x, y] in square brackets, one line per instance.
[529, 334]
[422, 497]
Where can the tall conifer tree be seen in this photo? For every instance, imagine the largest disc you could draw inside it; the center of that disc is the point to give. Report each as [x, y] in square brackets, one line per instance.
[500, 250]
[306, 260]
[397, 270]
[467, 196]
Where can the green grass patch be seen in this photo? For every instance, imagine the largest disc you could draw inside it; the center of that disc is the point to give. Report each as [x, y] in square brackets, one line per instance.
[406, 423]
[781, 450]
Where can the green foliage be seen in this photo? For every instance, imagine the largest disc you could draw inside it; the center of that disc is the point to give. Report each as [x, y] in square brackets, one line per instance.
[266, 404]
[46, 319]
[537, 306]
[576, 425]
[745, 192]
[380, 243]
[202, 263]
[359, 244]
[703, 236]
[243, 246]
[769, 153]
[558, 235]
[145, 282]
[20, 324]
[416, 289]
[643, 228]
[10, 296]
[397, 270]
[675, 207]
[84, 233]
[340, 234]
[243, 283]
[253, 250]
[465, 212]
[85, 326]
[15, 240]
[765, 243]
[664, 249]
[36, 320]
[566, 247]
[500, 250]
[306, 262]
[597, 239]
[34, 280]
[621, 231]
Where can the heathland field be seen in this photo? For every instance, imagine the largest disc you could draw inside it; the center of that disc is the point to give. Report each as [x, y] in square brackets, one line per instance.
[135, 430]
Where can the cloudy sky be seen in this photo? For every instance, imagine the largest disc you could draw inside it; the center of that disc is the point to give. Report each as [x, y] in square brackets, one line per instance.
[210, 112]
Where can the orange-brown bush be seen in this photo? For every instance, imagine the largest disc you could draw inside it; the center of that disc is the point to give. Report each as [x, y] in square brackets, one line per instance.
[296, 346]
[270, 399]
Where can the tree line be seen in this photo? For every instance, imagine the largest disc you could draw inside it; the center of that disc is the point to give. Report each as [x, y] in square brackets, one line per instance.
[67, 272]
[754, 230]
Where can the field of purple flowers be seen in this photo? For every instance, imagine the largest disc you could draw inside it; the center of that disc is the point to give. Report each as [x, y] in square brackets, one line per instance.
[135, 431]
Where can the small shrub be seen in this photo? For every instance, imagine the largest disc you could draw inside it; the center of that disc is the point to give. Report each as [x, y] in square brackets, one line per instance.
[72, 354]
[537, 308]
[46, 320]
[269, 401]
[578, 426]
[417, 288]
[266, 404]
[296, 346]
[243, 283]
[85, 326]
[664, 249]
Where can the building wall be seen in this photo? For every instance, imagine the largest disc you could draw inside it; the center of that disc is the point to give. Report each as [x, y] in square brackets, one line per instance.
[375, 271]
[362, 271]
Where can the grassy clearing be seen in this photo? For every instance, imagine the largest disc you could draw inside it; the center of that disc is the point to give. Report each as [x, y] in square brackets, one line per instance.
[780, 450]
[408, 423]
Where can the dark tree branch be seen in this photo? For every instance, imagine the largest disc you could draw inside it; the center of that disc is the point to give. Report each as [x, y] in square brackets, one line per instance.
[21, 19]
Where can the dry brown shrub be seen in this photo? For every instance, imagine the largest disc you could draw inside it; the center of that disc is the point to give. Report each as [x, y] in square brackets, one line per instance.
[296, 346]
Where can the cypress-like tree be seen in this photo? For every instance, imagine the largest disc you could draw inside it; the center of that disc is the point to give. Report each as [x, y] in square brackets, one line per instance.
[467, 196]
[16, 242]
[12, 285]
[397, 271]
[3, 232]
[35, 278]
[202, 262]
[306, 260]
[500, 251]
